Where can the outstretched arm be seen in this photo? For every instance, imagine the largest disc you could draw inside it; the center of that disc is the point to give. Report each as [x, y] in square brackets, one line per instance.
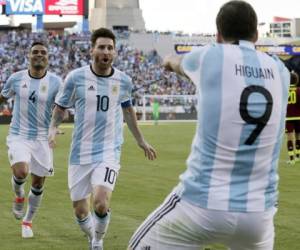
[130, 118]
[57, 118]
[173, 63]
[2, 99]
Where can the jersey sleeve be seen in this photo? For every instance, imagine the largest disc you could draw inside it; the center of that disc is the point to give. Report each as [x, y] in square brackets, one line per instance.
[66, 94]
[190, 64]
[8, 89]
[126, 95]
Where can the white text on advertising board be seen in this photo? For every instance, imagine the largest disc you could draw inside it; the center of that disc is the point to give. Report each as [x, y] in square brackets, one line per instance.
[26, 5]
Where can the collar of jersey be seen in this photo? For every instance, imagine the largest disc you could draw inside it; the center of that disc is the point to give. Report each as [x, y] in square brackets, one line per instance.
[111, 73]
[36, 77]
[247, 44]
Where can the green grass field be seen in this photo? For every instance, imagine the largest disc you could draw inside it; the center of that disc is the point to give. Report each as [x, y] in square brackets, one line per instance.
[142, 185]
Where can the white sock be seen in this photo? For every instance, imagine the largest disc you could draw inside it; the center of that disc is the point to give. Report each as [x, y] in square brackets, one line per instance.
[18, 186]
[101, 225]
[87, 225]
[34, 201]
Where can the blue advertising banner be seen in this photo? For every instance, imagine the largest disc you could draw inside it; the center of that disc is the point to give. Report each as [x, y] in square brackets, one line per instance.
[25, 7]
[281, 50]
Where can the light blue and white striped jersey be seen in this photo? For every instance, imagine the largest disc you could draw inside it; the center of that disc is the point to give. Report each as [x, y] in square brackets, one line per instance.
[242, 99]
[98, 128]
[33, 103]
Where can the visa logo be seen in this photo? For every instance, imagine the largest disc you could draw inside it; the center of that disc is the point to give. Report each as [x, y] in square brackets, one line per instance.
[26, 5]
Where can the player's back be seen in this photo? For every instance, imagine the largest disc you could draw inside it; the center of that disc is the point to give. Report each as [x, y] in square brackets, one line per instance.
[242, 97]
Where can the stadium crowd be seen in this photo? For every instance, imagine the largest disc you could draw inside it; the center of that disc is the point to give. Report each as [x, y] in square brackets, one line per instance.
[67, 52]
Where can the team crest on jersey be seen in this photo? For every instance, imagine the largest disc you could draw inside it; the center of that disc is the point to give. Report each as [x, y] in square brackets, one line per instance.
[44, 88]
[115, 90]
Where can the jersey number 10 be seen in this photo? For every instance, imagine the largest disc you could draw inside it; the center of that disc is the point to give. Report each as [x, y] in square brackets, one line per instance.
[102, 103]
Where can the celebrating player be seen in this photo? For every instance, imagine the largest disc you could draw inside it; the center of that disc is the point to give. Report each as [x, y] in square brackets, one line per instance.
[100, 93]
[34, 92]
[228, 194]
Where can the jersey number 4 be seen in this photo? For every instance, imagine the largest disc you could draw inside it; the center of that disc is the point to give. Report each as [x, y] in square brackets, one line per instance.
[260, 121]
[32, 97]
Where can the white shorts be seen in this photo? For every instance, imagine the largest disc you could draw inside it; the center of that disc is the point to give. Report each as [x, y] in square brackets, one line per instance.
[82, 178]
[37, 154]
[179, 225]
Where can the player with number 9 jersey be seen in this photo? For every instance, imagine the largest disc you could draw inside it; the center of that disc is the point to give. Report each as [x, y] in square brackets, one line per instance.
[232, 165]
[228, 193]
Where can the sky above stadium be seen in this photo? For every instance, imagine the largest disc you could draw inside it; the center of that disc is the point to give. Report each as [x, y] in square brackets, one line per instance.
[194, 16]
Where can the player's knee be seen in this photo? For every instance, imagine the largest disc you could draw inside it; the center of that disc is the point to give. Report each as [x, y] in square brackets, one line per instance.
[101, 207]
[20, 171]
[81, 212]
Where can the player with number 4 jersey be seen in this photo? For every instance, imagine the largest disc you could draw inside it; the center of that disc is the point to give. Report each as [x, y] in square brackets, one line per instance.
[101, 95]
[34, 92]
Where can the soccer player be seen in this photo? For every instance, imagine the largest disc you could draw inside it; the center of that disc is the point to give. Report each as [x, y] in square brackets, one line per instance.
[99, 93]
[34, 92]
[228, 194]
[292, 124]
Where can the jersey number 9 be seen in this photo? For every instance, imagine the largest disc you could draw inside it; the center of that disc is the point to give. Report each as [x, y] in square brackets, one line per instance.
[260, 121]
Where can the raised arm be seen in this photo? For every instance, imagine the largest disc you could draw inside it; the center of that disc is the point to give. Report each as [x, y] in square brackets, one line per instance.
[130, 118]
[2, 99]
[57, 118]
[173, 63]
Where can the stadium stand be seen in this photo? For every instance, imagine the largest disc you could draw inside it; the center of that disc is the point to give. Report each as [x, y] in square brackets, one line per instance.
[67, 52]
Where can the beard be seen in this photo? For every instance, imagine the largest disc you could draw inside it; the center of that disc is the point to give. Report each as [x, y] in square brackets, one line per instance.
[103, 64]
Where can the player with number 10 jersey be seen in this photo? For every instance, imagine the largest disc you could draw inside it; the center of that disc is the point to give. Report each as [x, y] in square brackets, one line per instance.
[97, 135]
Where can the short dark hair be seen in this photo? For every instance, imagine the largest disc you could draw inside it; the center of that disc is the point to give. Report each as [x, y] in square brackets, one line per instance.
[237, 20]
[38, 43]
[102, 32]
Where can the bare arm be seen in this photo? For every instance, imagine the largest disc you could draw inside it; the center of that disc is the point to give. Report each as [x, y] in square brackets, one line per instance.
[58, 115]
[2, 99]
[173, 63]
[130, 118]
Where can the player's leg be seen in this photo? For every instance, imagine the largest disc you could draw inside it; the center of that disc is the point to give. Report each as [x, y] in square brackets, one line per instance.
[19, 157]
[255, 231]
[20, 172]
[41, 166]
[84, 218]
[34, 200]
[80, 190]
[176, 225]
[297, 140]
[103, 180]
[290, 142]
